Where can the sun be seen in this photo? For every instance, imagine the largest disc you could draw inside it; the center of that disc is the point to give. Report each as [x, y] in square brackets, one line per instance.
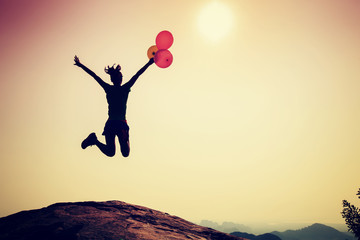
[215, 21]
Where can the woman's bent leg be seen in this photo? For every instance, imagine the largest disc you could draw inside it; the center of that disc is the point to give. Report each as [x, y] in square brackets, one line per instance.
[109, 148]
[124, 142]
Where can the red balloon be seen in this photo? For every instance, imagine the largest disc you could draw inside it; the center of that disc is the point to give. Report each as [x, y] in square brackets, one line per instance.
[163, 58]
[164, 40]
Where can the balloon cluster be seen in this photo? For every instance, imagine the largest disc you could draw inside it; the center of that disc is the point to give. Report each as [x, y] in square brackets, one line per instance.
[162, 56]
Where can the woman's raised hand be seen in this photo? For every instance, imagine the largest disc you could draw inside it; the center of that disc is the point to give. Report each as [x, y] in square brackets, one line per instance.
[77, 61]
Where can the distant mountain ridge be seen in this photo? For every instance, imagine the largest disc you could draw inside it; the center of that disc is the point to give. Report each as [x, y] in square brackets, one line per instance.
[266, 236]
[111, 220]
[226, 227]
[314, 232]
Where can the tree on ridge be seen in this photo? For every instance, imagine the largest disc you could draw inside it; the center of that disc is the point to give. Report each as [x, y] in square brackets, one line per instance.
[352, 217]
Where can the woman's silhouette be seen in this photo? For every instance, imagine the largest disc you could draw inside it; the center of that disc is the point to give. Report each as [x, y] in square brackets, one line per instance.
[117, 96]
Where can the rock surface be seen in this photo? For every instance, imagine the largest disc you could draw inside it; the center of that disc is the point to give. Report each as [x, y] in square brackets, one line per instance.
[113, 220]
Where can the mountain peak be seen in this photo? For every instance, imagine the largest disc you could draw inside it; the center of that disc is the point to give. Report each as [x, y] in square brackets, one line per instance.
[101, 220]
[318, 227]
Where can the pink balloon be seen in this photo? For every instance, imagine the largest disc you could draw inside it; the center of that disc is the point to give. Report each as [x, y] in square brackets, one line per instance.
[163, 58]
[164, 40]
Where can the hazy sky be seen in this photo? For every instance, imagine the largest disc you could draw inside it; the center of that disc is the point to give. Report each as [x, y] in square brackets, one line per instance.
[261, 125]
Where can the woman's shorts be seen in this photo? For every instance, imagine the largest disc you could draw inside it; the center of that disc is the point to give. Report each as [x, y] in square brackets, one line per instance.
[116, 127]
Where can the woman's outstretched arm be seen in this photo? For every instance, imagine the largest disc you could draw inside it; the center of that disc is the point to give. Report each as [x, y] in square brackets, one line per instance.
[131, 82]
[91, 73]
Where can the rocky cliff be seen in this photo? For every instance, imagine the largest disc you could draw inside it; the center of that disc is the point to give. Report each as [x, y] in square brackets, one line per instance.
[113, 220]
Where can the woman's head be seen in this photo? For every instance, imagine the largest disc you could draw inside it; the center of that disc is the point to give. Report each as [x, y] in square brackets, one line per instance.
[115, 74]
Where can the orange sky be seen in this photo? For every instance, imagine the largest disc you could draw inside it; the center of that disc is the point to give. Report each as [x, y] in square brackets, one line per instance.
[262, 125]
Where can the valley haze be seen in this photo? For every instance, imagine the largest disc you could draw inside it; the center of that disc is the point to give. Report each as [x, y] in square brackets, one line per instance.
[262, 227]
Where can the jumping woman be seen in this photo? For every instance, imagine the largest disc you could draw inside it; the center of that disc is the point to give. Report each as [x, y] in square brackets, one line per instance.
[117, 96]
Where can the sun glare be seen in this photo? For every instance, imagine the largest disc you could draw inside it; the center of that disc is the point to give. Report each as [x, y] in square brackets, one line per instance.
[215, 21]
